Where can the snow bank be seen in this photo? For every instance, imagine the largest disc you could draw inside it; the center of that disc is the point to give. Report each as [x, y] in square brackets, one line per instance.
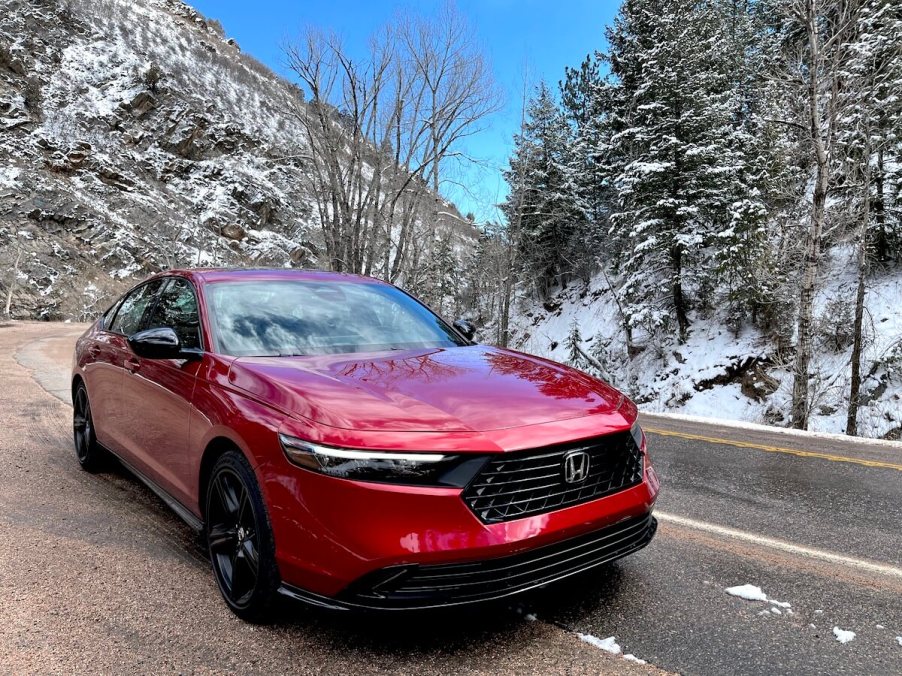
[787, 431]
[724, 375]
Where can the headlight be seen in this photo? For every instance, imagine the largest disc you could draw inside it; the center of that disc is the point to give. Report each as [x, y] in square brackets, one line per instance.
[421, 469]
[638, 435]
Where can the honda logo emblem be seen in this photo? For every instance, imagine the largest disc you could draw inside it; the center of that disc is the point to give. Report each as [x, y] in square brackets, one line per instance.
[576, 467]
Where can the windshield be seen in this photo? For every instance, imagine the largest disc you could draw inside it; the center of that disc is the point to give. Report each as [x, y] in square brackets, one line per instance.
[306, 317]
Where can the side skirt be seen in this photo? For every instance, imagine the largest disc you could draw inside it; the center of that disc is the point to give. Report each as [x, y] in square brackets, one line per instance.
[183, 512]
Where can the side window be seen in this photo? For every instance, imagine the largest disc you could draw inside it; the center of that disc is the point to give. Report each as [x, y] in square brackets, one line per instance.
[131, 311]
[177, 309]
[107, 316]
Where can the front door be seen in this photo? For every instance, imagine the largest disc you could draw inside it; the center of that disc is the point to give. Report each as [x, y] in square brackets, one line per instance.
[158, 393]
[115, 422]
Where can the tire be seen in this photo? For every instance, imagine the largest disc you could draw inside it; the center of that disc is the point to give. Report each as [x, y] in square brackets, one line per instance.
[91, 457]
[239, 539]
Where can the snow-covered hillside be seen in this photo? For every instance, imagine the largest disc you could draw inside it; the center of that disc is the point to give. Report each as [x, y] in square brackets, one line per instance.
[135, 136]
[719, 374]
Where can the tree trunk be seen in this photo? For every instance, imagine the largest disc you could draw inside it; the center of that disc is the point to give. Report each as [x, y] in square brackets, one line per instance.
[624, 320]
[505, 304]
[881, 245]
[679, 300]
[800, 398]
[855, 384]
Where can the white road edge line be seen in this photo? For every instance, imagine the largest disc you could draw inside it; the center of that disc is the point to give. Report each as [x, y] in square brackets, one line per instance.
[781, 545]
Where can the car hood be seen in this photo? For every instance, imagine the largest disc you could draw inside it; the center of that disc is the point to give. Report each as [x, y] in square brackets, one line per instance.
[474, 388]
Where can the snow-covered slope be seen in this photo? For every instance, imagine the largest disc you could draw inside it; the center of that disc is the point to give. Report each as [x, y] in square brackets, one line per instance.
[135, 136]
[719, 374]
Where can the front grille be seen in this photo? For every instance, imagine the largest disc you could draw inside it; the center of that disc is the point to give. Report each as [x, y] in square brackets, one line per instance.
[451, 583]
[525, 483]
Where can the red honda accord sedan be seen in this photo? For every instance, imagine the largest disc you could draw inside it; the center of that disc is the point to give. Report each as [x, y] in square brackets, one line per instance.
[337, 442]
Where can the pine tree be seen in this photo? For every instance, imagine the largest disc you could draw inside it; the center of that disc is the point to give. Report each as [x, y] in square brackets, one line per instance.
[443, 275]
[544, 195]
[574, 347]
[581, 98]
[670, 152]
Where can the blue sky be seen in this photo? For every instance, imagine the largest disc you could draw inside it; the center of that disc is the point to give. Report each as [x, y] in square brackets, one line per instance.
[533, 37]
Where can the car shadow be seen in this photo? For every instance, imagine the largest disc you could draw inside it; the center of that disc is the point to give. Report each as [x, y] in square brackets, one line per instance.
[451, 630]
[445, 631]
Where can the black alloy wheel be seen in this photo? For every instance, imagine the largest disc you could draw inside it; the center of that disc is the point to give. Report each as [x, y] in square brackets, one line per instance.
[89, 453]
[239, 538]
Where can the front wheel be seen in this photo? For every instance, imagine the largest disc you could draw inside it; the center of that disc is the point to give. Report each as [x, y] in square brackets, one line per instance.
[239, 538]
[89, 453]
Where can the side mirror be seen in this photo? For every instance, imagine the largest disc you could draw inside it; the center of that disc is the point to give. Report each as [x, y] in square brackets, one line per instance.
[160, 343]
[465, 328]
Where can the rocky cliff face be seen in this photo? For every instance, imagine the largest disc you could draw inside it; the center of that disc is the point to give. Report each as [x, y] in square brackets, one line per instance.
[135, 136]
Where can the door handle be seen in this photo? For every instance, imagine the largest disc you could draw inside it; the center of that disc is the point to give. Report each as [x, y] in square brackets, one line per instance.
[132, 364]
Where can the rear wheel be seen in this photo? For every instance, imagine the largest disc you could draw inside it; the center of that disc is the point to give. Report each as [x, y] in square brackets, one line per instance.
[239, 538]
[89, 453]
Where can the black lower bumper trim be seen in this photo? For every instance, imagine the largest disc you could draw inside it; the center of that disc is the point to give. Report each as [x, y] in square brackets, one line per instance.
[449, 584]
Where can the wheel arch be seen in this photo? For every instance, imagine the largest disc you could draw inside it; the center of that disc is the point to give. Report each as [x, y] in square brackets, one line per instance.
[76, 381]
[216, 447]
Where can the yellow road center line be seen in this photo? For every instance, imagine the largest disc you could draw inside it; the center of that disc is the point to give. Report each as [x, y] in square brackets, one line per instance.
[775, 449]
[782, 545]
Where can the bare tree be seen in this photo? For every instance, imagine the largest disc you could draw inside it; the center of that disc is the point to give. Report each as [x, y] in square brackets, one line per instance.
[855, 382]
[826, 28]
[510, 264]
[874, 107]
[379, 131]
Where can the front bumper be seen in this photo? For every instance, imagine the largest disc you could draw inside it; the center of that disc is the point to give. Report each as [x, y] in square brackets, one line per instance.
[335, 538]
[442, 585]
[425, 586]
[346, 544]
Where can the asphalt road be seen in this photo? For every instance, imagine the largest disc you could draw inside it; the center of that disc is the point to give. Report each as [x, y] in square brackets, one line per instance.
[97, 575]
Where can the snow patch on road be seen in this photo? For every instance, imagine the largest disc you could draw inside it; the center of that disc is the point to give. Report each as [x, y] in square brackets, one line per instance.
[843, 635]
[608, 644]
[750, 592]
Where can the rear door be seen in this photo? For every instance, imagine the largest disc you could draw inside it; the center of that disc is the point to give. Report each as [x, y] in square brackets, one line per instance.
[158, 392]
[102, 377]
[111, 357]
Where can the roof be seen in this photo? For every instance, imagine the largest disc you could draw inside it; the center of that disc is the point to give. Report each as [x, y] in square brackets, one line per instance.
[212, 275]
